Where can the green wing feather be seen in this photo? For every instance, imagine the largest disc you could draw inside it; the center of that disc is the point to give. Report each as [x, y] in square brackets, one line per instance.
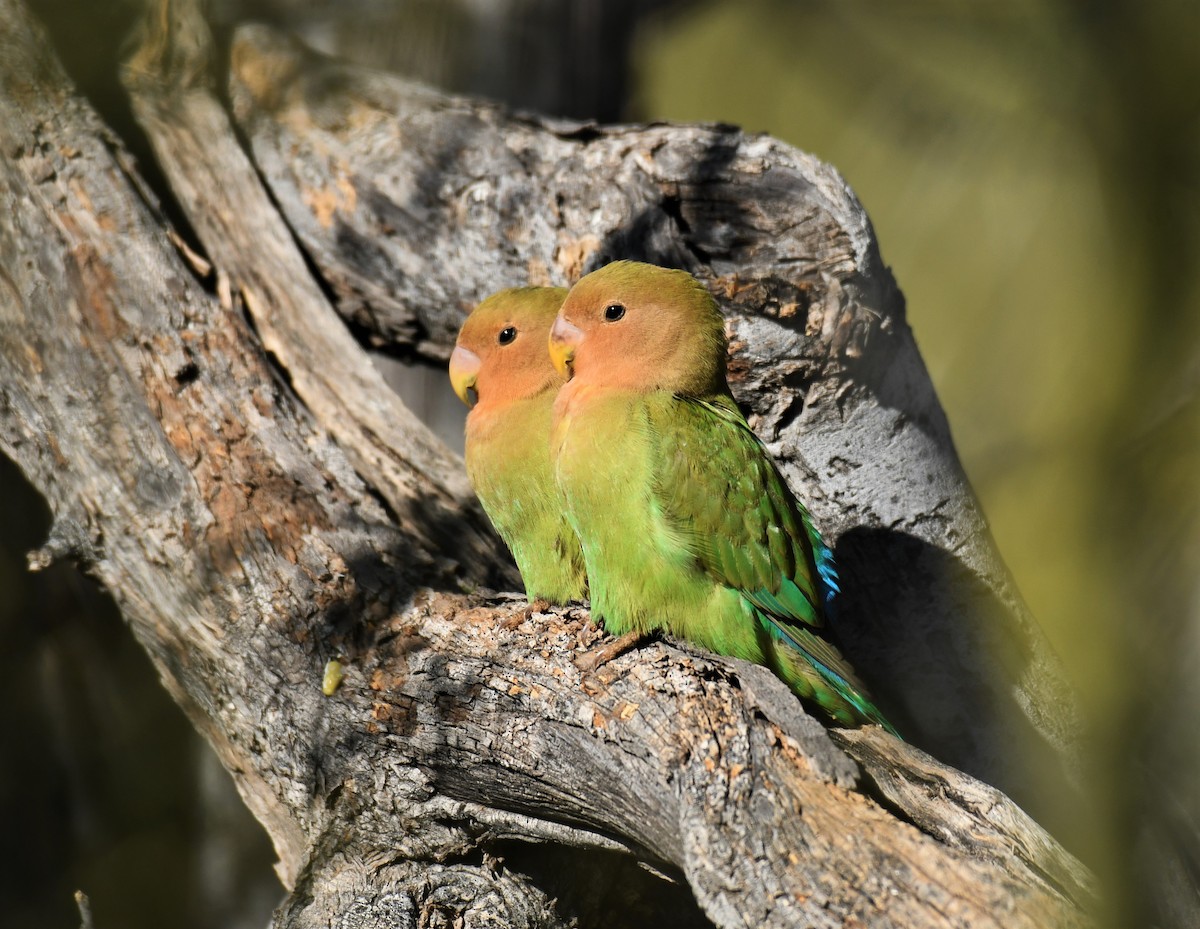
[749, 532]
[720, 489]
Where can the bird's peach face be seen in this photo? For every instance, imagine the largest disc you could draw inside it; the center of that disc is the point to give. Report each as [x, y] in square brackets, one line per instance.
[656, 330]
[500, 355]
[596, 328]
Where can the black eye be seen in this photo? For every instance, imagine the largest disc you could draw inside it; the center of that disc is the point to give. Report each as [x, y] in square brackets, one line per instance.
[507, 334]
[613, 312]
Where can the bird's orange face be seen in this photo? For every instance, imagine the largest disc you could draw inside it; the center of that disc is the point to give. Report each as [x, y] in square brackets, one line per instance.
[500, 355]
[640, 327]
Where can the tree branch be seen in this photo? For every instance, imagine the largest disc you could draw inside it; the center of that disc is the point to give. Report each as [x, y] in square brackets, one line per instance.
[413, 206]
[467, 768]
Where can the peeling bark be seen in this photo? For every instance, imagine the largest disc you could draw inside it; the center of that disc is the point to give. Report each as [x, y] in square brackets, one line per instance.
[467, 770]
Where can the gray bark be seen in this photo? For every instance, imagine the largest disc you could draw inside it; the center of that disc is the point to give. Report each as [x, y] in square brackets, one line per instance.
[253, 528]
[414, 207]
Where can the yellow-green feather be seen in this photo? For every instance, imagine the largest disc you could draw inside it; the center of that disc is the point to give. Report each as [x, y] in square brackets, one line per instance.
[511, 471]
[687, 525]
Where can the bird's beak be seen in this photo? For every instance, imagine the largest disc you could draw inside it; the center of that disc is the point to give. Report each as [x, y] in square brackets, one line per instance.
[564, 339]
[464, 371]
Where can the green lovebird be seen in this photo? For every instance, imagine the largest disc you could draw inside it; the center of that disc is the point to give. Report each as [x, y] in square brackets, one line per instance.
[501, 359]
[686, 523]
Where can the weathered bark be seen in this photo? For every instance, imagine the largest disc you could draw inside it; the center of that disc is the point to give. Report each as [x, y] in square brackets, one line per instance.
[415, 206]
[254, 254]
[466, 768]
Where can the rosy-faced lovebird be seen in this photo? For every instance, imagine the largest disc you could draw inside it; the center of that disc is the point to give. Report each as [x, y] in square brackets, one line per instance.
[686, 524]
[500, 361]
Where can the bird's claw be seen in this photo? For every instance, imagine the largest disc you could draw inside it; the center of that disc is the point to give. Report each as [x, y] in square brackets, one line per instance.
[592, 660]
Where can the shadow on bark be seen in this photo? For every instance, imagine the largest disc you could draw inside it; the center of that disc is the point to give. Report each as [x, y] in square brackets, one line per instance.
[662, 235]
[616, 893]
[882, 614]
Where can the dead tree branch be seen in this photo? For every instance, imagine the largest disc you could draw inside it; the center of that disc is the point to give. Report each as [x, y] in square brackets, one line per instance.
[467, 769]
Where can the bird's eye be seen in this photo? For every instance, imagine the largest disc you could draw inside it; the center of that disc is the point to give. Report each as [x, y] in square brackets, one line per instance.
[613, 312]
[507, 334]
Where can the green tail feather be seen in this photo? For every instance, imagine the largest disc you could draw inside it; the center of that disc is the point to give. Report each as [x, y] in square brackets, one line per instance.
[833, 670]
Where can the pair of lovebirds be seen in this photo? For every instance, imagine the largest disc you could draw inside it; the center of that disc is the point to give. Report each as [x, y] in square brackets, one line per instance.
[608, 452]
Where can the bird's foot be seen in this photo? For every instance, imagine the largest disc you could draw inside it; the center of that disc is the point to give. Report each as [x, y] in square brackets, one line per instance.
[540, 605]
[597, 658]
[535, 606]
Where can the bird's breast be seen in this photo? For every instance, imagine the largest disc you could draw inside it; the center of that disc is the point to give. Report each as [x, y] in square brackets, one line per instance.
[571, 403]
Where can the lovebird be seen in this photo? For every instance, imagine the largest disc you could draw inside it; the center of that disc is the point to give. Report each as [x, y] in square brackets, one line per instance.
[500, 362]
[685, 522]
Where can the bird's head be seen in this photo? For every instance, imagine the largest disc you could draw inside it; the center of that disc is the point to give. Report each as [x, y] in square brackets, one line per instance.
[500, 355]
[637, 326]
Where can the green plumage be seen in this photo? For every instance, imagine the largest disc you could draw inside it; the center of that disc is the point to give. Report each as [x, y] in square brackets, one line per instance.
[509, 465]
[501, 359]
[685, 522]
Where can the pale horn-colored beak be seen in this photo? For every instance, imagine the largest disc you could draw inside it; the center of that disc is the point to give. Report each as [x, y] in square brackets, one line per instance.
[564, 339]
[464, 371]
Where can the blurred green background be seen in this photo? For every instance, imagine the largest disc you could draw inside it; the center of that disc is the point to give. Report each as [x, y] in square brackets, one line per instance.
[1032, 168]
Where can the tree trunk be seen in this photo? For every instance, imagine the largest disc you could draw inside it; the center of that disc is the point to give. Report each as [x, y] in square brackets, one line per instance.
[218, 452]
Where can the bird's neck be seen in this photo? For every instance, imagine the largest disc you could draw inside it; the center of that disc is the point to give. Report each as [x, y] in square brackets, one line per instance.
[505, 414]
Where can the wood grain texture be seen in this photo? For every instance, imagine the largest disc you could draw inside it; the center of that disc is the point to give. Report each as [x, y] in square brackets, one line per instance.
[255, 256]
[413, 206]
[467, 772]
